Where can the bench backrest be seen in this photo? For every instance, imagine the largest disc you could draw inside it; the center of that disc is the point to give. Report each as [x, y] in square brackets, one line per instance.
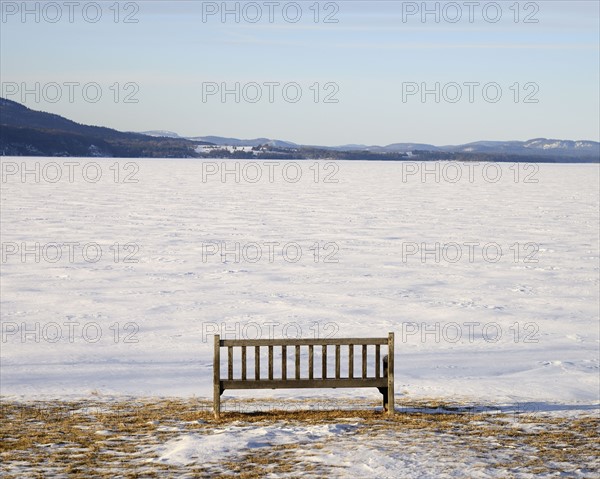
[370, 369]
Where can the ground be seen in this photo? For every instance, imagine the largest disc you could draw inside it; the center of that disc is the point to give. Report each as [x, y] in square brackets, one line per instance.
[179, 438]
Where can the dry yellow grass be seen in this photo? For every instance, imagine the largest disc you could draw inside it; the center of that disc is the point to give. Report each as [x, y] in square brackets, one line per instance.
[95, 438]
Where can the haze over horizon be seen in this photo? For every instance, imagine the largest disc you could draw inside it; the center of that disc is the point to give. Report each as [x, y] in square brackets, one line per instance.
[358, 80]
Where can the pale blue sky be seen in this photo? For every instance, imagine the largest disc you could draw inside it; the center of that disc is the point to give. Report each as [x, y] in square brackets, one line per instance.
[369, 54]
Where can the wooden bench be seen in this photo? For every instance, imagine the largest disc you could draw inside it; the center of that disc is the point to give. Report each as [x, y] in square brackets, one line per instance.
[382, 377]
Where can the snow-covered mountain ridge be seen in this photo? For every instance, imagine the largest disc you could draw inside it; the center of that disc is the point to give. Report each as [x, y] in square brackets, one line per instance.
[539, 146]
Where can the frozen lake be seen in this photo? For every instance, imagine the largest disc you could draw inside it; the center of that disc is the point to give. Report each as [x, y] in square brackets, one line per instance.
[113, 284]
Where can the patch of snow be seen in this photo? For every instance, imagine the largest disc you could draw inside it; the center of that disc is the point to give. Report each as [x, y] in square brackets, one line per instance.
[234, 440]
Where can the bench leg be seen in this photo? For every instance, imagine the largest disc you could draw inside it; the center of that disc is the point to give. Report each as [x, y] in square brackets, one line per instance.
[217, 403]
[384, 392]
[217, 377]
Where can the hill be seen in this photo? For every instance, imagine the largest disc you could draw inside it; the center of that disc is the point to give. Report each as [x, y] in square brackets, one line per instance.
[26, 132]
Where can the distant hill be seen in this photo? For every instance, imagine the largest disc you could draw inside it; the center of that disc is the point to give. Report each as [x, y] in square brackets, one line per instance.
[549, 148]
[219, 140]
[394, 147]
[26, 132]
[540, 147]
[161, 133]
[224, 141]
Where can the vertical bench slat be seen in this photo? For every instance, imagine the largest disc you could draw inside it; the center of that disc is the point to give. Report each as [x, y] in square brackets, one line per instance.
[283, 362]
[270, 362]
[297, 362]
[351, 361]
[310, 362]
[257, 362]
[243, 363]
[364, 361]
[337, 361]
[230, 362]
[324, 362]
[377, 361]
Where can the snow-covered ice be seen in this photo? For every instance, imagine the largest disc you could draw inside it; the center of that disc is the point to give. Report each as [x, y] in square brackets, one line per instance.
[505, 331]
